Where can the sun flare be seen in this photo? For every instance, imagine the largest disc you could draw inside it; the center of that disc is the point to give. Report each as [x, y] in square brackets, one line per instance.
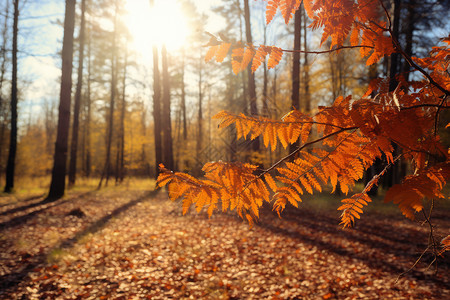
[162, 24]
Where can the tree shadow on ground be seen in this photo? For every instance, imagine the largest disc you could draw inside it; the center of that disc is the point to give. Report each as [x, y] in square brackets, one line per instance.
[23, 207]
[383, 237]
[11, 280]
[28, 199]
[28, 216]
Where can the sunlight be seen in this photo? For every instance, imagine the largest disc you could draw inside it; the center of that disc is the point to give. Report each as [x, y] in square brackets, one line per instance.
[162, 24]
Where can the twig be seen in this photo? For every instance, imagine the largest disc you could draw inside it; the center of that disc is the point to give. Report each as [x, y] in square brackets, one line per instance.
[409, 59]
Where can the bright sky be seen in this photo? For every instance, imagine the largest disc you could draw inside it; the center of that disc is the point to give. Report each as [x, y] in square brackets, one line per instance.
[41, 39]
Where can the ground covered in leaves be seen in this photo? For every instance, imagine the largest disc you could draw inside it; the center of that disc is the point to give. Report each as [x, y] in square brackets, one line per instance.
[136, 244]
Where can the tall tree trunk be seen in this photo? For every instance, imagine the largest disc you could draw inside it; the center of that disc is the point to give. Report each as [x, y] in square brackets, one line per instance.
[166, 120]
[200, 111]
[265, 110]
[157, 110]
[395, 57]
[3, 114]
[392, 175]
[409, 34]
[121, 171]
[307, 98]
[107, 168]
[295, 93]
[10, 167]
[231, 102]
[183, 98]
[57, 185]
[87, 165]
[76, 109]
[251, 76]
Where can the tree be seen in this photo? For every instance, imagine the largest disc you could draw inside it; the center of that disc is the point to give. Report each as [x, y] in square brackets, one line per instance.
[76, 109]
[120, 168]
[166, 120]
[157, 109]
[250, 75]
[295, 94]
[113, 90]
[58, 181]
[346, 137]
[13, 132]
[3, 71]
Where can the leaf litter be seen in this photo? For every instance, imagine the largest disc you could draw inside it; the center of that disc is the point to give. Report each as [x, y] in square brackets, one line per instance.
[135, 244]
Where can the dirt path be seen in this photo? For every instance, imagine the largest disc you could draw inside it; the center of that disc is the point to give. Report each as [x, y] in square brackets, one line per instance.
[136, 244]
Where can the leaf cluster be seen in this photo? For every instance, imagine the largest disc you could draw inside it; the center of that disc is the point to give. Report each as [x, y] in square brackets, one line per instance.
[345, 138]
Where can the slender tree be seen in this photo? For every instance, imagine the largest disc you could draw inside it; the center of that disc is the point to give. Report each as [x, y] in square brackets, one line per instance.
[13, 133]
[157, 110]
[166, 120]
[57, 185]
[295, 93]
[3, 58]
[183, 96]
[107, 167]
[76, 109]
[157, 119]
[307, 98]
[120, 172]
[88, 108]
[250, 74]
[200, 107]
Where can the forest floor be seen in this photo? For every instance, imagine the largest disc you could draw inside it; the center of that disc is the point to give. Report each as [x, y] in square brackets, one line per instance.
[135, 244]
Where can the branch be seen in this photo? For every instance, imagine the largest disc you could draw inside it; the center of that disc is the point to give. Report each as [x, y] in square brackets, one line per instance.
[439, 106]
[326, 51]
[408, 58]
[293, 153]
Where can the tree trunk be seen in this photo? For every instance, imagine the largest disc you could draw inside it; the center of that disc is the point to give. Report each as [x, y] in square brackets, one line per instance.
[392, 175]
[166, 121]
[409, 34]
[200, 111]
[307, 98]
[121, 171]
[265, 110]
[76, 109]
[3, 110]
[87, 165]
[157, 110]
[250, 75]
[13, 134]
[395, 57]
[183, 99]
[107, 168]
[295, 93]
[57, 185]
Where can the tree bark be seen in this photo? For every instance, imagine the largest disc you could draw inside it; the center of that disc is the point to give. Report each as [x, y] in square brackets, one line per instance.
[307, 98]
[265, 109]
[250, 75]
[107, 168]
[395, 57]
[121, 171]
[87, 162]
[183, 99]
[10, 167]
[409, 34]
[76, 109]
[57, 185]
[200, 111]
[3, 110]
[166, 120]
[295, 93]
[157, 110]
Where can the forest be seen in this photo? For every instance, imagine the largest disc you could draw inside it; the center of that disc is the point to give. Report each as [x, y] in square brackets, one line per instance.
[226, 149]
